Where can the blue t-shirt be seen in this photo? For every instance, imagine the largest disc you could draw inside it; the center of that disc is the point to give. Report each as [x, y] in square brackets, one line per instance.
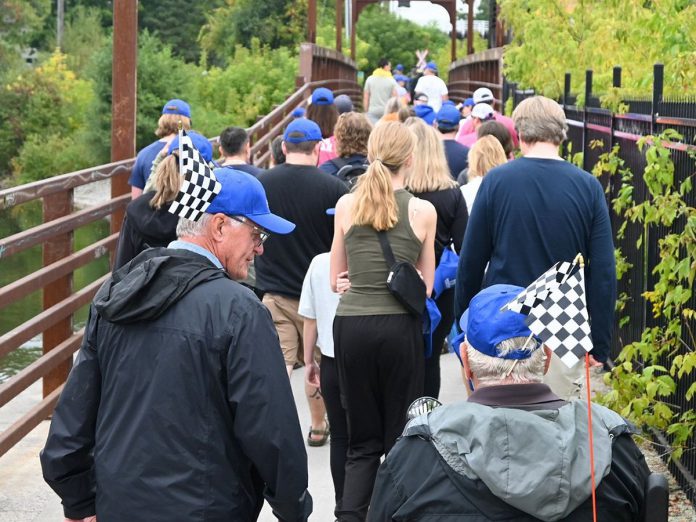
[143, 164]
[457, 157]
[529, 214]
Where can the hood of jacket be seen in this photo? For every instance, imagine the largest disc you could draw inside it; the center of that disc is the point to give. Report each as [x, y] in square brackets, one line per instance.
[147, 286]
[154, 225]
[538, 461]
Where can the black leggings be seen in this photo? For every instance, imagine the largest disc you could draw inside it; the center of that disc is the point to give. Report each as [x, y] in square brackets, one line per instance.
[380, 367]
[445, 303]
[337, 421]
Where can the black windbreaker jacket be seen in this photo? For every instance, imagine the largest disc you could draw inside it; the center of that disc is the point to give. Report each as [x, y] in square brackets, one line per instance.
[178, 406]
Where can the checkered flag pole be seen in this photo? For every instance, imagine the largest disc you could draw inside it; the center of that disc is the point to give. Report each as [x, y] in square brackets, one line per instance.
[199, 185]
[562, 321]
[537, 292]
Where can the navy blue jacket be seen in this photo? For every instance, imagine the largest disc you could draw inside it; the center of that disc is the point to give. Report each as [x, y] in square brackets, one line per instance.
[529, 214]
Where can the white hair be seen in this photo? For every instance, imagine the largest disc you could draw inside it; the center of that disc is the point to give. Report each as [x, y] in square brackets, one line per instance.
[494, 370]
[186, 227]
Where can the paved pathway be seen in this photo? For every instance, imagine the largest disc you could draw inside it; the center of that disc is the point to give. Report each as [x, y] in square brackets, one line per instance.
[25, 497]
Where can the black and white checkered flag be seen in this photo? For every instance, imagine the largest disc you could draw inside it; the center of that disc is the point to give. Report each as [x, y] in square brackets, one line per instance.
[537, 292]
[199, 186]
[561, 321]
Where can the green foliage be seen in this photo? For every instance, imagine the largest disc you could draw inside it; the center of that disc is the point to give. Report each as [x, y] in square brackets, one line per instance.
[397, 39]
[46, 100]
[574, 36]
[83, 37]
[20, 20]
[274, 23]
[644, 381]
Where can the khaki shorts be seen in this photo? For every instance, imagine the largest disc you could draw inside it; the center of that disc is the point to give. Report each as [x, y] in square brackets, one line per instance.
[289, 325]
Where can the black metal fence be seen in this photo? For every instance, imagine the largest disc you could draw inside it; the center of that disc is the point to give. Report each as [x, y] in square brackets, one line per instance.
[651, 115]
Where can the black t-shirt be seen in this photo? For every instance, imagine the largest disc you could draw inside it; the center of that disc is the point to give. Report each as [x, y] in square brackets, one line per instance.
[457, 157]
[249, 169]
[301, 194]
[452, 217]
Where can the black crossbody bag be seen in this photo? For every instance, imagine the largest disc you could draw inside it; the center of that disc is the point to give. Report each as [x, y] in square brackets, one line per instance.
[403, 281]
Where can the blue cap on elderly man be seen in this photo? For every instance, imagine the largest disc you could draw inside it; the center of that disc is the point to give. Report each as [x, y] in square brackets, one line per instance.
[243, 195]
[486, 325]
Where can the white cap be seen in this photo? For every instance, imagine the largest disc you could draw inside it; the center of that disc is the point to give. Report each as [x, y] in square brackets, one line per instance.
[482, 111]
[483, 95]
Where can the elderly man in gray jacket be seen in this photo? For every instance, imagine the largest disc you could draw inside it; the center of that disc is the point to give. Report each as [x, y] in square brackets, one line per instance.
[514, 450]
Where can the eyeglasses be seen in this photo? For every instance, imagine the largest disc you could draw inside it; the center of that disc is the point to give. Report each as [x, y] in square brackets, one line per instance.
[260, 235]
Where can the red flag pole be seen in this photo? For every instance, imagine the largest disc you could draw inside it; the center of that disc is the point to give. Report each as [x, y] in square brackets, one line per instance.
[589, 419]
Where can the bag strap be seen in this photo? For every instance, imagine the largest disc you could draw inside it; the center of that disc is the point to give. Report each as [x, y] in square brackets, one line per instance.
[386, 248]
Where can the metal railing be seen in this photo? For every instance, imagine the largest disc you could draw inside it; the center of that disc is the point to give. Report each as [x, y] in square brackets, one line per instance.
[483, 69]
[60, 219]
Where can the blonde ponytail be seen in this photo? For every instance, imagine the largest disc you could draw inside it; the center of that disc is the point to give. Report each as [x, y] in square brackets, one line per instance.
[389, 147]
[167, 181]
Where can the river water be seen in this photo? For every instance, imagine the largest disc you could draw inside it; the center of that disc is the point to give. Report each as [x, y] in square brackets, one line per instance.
[21, 264]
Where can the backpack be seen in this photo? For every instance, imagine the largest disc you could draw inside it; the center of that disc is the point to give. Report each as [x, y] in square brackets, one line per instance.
[349, 174]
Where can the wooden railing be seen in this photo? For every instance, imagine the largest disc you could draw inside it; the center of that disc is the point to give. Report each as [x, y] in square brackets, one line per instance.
[484, 69]
[60, 218]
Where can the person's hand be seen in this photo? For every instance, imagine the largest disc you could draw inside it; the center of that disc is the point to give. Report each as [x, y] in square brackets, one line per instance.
[312, 374]
[342, 282]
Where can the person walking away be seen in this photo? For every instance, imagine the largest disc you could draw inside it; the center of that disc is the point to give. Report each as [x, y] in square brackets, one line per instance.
[526, 449]
[352, 132]
[317, 306]
[484, 95]
[378, 343]
[323, 111]
[173, 112]
[177, 406]
[301, 193]
[447, 123]
[379, 87]
[533, 212]
[235, 151]
[432, 86]
[430, 180]
[148, 222]
[485, 154]
[481, 113]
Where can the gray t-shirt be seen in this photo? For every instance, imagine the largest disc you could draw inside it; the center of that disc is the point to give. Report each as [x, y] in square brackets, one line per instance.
[380, 89]
[319, 302]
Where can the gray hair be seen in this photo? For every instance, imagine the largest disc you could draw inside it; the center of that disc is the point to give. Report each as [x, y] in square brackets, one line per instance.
[540, 119]
[393, 105]
[493, 370]
[186, 227]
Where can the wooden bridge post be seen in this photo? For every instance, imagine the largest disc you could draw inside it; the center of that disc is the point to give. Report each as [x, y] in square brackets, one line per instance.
[59, 246]
[124, 99]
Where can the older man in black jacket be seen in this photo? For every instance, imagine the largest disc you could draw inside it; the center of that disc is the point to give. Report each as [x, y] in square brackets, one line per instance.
[178, 406]
[514, 450]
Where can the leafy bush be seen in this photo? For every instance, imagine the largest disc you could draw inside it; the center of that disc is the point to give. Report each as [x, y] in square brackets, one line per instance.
[576, 36]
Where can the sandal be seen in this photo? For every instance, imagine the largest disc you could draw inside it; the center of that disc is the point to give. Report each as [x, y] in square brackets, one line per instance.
[324, 436]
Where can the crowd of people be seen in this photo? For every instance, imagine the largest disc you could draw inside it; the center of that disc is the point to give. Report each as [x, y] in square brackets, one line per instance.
[179, 406]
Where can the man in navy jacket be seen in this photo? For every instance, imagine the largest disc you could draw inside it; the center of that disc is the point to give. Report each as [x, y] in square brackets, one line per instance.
[533, 212]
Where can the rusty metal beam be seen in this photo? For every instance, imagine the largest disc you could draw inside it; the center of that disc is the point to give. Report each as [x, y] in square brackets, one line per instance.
[124, 95]
[312, 21]
[37, 324]
[339, 25]
[37, 235]
[28, 422]
[22, 380]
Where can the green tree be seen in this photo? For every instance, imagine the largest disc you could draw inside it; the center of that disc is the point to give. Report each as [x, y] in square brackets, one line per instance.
[83, 37]
[274, 23]
[572, 36]
[20, 21]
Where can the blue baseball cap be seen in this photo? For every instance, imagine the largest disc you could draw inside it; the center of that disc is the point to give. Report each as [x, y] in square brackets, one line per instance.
[343, 103]
[399, 67]
[432, 66]
[301, 130]
[322, 96]
[425, 112]
[401, 78]
[243, 195]
[469, 102]
[179, 107]
[486, 326]
[299, 112]
[199, 141]
[448, 116]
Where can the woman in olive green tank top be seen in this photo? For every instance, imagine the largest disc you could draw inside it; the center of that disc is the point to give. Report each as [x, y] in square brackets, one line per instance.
[378, 344]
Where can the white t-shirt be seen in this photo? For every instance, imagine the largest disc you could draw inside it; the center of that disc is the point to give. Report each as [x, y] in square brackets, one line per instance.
[318, 301]
[434, 88]
[470, 190]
